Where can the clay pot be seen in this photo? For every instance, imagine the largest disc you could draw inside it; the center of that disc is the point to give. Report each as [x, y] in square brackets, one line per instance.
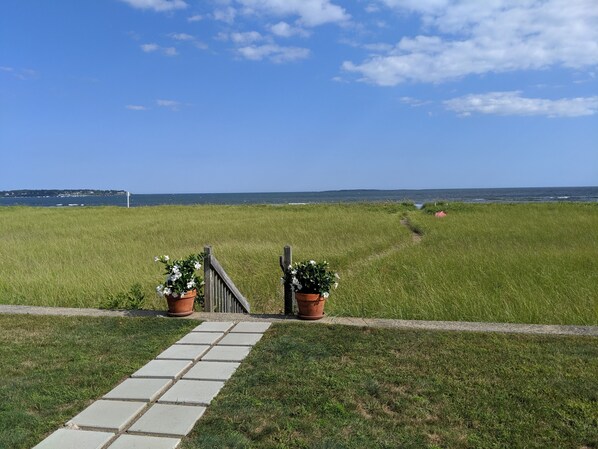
[181, 305]
[311, 305]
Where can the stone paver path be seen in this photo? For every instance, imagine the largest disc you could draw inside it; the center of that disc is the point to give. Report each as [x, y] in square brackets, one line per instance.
[162, 401]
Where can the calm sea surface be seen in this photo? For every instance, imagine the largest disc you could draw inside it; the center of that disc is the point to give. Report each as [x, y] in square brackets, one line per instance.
[543, 194]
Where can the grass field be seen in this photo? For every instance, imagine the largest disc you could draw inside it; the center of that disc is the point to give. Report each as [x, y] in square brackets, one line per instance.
[51, 368]
[342, 387]
[533, 263]
[318, 386]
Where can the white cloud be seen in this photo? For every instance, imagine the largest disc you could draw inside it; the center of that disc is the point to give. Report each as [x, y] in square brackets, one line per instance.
[491, 36]
[22, 74]
[226, 15]
[309, 12]
[181, 36]
[157, 5]
[245, 38]
[414, 102]
[512, 103]
[195, 18]
[136, 107]
[150, 48]
[283, 29]
[273, 52]
[170, 104]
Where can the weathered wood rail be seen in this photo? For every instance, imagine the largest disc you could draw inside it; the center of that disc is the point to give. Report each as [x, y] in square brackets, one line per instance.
[220, 293]
[289, 294]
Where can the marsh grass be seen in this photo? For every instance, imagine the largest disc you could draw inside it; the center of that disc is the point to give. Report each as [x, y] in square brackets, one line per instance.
[533, 263]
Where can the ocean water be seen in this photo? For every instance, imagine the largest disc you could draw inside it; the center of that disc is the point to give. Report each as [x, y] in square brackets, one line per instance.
[518, 195]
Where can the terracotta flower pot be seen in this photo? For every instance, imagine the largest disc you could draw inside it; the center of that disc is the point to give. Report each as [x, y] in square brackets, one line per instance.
[181, 305]
[311, 305]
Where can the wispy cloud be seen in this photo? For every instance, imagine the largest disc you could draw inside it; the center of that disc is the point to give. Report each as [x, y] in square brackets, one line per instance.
[513, 103]
[195, 18]
[157, 5]
[188, 38]
[273, 52]
[283, 29]
[414, 102]
[466, 38]
[309, 13]
[182, 36]
[21, 74]
[135, 107]
[226, 15]
[151, 48]
[169, 104]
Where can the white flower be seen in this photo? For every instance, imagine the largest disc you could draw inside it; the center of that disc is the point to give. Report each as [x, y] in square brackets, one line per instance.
[160, 290]
[335, 285]
[313, 262]
[175, 269]
[293, 272]
[157, 259]
[166, 258]
[197, 265]
[167, 291]
[290, 267]
[325, 295]
[336, 276]
[190, 284]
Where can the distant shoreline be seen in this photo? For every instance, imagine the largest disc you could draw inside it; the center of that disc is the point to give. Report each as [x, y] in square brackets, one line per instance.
[502, 195]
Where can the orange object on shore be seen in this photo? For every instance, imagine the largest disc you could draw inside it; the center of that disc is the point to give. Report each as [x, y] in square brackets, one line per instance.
[440, 214]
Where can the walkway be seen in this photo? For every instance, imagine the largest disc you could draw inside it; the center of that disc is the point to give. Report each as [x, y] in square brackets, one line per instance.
[161, 402]
[511, 328]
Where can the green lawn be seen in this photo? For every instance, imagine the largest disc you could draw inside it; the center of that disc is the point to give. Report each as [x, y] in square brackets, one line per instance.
[532, 263]
[51, 368]
[343, 387]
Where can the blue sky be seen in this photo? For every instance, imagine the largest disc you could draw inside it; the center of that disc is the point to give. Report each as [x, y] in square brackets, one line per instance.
[173, 96]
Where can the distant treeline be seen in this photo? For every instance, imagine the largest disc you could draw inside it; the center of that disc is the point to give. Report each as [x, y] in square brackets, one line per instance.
[60, 193]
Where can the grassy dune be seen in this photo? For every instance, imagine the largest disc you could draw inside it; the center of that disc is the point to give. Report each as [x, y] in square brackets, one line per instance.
[516, 263]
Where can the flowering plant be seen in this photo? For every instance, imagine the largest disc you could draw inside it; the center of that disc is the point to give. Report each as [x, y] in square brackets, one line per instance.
[181, 275]
[310, 276]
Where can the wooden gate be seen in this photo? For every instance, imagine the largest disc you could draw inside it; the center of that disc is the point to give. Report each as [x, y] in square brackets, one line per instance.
[220, 293]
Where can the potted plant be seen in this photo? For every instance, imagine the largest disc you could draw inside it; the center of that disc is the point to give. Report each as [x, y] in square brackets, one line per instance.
[311, 281]
[181, 284]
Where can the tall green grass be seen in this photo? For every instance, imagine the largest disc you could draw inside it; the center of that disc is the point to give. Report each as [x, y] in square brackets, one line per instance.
[534, 263]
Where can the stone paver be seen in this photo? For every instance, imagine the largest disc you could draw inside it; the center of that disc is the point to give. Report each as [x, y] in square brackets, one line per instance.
[144, 442]
[192, 392]
[165, 419]
[75, 439]
[212, 370]
[163, 368]
[139, 389]
[251, 327]
[240, 339]
[200, 338]
[109, 415]
[227, 353]
[213, 326]
[184, 352]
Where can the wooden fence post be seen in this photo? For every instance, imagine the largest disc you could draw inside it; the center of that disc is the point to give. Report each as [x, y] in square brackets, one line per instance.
[289, 294]
[207, 288]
